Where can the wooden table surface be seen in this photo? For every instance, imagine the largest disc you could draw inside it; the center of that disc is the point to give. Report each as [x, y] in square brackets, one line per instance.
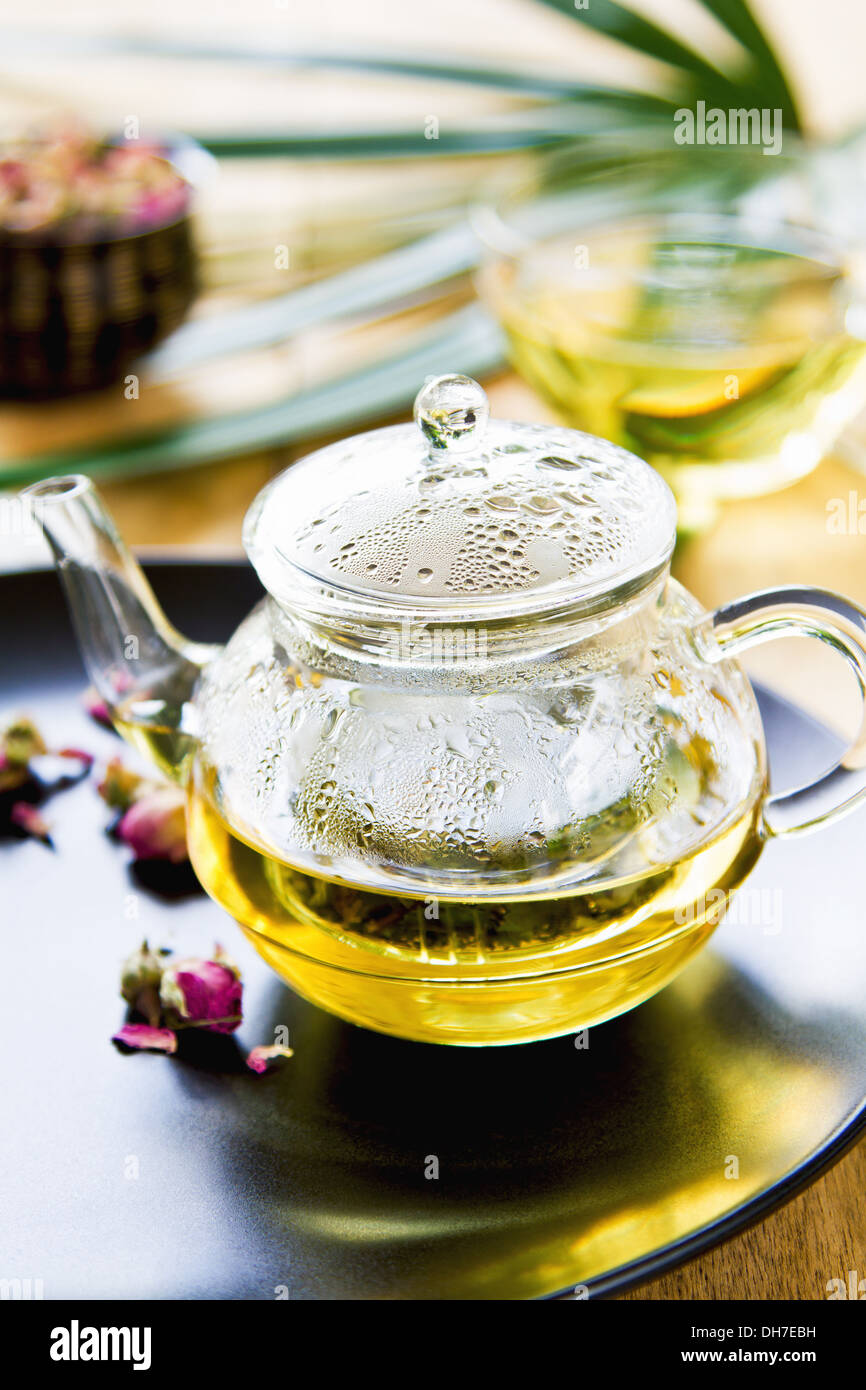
[821, 1234]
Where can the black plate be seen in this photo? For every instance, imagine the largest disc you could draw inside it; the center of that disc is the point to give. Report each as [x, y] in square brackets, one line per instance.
[149, 1177]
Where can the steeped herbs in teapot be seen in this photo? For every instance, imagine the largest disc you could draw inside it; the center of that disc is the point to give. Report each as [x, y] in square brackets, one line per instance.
[476, 770]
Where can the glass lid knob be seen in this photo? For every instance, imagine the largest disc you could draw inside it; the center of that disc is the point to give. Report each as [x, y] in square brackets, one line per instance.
[452, 413]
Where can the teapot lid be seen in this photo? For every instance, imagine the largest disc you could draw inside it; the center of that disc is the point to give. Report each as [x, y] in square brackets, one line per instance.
[458, 510]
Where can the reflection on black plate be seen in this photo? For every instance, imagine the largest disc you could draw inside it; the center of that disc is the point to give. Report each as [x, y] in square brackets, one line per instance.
[147, 1177]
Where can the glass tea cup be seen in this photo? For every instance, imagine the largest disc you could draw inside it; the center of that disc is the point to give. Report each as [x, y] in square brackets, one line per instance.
[729, 352]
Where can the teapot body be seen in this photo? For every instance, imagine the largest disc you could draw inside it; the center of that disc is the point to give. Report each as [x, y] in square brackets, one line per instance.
[477, 770]
[478, 842]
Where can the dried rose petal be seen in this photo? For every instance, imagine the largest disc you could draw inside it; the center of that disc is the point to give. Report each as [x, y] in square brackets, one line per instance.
[120, 785]
[96, 706]
[143, 1038]
[79, 754]
[154, 827]
[31, 820]
[62, 769]
[260, 1058]
[199, 993]
[140, 980]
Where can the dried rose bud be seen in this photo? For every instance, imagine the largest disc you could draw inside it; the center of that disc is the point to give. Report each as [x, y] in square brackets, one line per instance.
[31, 820]
[199, 993]
[140, 980]
[154, 827]
[260, 1058]
[120, 785]
[19, 742]
[142, 1038]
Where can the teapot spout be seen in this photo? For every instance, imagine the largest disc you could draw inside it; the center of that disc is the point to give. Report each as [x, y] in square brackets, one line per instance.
[143, 669]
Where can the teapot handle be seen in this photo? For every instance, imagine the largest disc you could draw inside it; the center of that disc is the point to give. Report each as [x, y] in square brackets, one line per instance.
[799, 612]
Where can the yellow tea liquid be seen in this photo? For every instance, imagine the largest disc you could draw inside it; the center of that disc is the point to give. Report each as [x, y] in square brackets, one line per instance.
[472, 867]
[479, 970]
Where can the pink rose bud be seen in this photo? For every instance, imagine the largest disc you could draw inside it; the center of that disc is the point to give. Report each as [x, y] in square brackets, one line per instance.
[199, 993]
[142, 1038]
[30, 819]
[260, 1058]
[140, 979]
[154, 827]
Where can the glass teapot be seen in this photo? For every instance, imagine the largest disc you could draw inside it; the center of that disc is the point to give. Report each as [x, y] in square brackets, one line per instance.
[476, 769]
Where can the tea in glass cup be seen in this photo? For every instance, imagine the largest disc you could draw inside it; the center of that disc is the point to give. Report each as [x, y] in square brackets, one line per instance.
[727, 353]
